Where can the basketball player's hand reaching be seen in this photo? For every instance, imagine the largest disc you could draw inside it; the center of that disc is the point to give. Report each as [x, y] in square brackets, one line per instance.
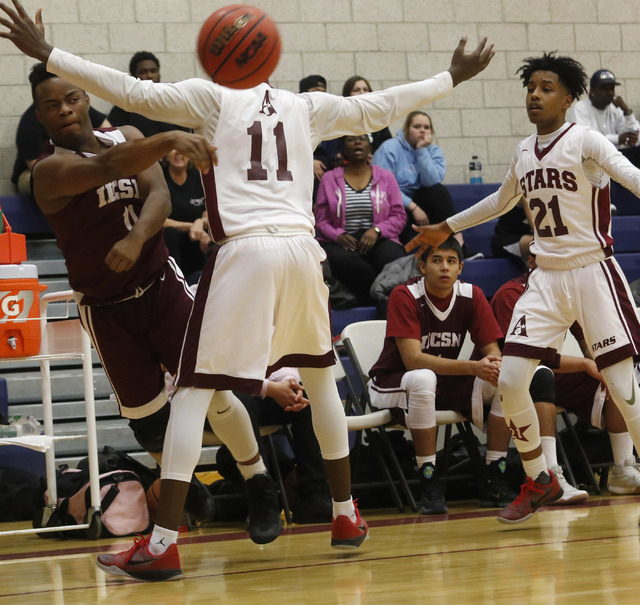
[428, 235]
[196, 148]
[24, 33]
[466, 65]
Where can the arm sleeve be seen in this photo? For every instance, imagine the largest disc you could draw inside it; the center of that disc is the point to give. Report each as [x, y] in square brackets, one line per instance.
[490, 207]
[332, 116]
[431, 165]
[582, 113]
[597, 148]
[189, 103]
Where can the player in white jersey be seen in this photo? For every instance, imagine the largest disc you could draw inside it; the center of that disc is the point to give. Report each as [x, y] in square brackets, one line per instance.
[563, 174]
[262, 302]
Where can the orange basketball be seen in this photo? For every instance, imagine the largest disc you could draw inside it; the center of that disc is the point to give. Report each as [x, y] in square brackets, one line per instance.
[153, 495]
[239, 46]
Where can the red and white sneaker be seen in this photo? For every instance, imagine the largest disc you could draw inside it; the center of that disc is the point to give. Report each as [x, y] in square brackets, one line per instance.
[139, 563]
[345, 534]
[532, 496]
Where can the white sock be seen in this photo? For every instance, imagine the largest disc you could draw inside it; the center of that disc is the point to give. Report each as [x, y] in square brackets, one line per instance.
[621, 446]
[493, 455]
[344, 508]
[251, 470]
[534, 467]
[420, 460]
[161, 539]
[548, 443]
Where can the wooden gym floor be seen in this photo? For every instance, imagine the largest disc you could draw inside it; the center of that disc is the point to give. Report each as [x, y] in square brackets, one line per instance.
[581, 554]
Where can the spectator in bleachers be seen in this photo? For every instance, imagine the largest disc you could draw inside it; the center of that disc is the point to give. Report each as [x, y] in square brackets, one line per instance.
[513, 234]
[608, 113]
[144, 66]
[185, 231]
[419, 167]
[31, 138]
[576, 388]
[357, 85]
[419, 371]
[359, 216]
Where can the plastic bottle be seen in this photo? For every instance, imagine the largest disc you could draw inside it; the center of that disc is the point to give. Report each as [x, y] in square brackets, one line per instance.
[21, 425]
[475, 170]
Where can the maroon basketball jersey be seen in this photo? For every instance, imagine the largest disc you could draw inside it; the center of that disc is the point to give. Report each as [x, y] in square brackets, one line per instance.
[91, 223]
[440, 328]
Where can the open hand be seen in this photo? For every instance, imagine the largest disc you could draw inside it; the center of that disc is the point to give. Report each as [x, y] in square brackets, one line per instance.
[24, 33]
[195, 147]
[466, 65]
[429, 235]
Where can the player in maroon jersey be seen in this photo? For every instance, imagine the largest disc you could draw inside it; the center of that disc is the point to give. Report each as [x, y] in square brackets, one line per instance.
[105, 196]
[419, 371]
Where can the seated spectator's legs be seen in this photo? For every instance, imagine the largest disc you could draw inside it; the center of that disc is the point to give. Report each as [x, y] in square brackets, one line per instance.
[384, 251]
[24, 183]
[352, 270]
[437, 204]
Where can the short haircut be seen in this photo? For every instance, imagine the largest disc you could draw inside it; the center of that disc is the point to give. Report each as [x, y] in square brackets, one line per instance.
[570, 73]
[311, 82]
[142, 55]
[348, 85]
[451, 243]
[37, 76]
[409, 119]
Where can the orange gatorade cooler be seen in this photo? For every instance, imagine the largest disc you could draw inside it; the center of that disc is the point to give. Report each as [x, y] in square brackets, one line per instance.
[19, 310]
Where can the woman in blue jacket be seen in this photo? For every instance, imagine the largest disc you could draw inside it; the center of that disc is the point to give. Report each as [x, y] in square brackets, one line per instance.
[359, 216]
[419, 167]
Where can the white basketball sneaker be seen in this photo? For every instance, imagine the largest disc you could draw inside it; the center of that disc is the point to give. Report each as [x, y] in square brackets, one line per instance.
[625, 478]
[570, 494]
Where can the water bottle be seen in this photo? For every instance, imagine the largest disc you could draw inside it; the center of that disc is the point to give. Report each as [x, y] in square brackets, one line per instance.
[21, 425]
[475, 170]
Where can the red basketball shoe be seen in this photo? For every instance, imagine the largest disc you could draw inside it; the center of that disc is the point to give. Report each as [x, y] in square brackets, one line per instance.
[345, 534]
[139, 563]
[532, 496]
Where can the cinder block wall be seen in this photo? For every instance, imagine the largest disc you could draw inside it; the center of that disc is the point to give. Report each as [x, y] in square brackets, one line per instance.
[387, 41]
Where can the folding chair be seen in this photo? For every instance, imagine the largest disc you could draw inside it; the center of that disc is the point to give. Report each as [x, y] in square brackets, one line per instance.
[366, 422]
[363, 342]
[209, 438]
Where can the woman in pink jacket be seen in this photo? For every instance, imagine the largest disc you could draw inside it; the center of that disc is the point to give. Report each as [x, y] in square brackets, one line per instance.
[359, 216]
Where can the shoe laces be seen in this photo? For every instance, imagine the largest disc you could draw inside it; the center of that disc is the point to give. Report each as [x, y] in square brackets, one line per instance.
[139, 542]
[528, 486]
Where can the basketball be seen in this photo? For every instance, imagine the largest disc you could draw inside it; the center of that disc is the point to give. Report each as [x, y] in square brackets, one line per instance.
[153, 495]
[239, 46]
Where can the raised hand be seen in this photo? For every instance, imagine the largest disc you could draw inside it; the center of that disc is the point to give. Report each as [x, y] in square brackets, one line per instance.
[24, 33]
[466, 65]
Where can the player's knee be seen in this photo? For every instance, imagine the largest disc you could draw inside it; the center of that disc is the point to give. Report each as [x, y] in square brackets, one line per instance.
[149, 431]
[543, 386]
[420, 381]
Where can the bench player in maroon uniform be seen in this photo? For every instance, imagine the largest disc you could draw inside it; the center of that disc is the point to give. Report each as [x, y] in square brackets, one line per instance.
[419, 371]
[106, 200]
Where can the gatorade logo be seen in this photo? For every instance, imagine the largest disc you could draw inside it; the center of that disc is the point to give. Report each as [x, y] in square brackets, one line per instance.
[14, 306]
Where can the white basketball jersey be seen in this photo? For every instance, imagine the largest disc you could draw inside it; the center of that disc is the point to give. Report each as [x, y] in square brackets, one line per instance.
[571, 210]
[265, 175]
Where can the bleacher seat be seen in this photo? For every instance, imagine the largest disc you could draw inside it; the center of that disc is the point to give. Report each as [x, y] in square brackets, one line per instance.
[23, 214]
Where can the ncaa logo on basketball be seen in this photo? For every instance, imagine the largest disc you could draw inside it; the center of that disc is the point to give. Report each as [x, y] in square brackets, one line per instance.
[11, 306]
[220, 43]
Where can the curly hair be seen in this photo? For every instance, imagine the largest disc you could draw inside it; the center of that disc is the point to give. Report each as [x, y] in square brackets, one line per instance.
[570, 73]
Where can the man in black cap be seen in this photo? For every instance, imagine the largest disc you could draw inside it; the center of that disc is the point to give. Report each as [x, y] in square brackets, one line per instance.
[607, 112]
[313, 83]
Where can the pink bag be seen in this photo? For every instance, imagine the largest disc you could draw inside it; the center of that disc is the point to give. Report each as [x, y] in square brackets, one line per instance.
[122, 499]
